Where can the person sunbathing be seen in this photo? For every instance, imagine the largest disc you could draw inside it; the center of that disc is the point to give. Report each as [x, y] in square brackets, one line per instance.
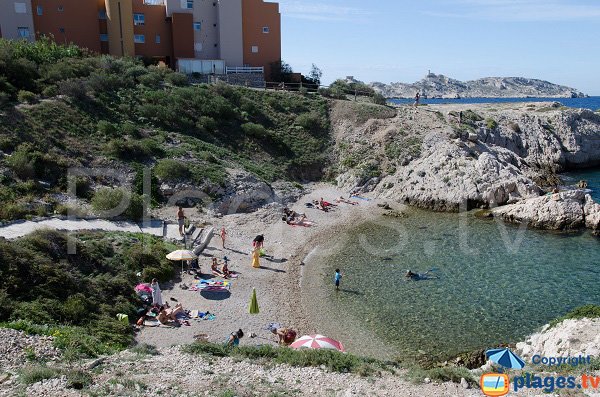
[167, 315]
[298, 222]
[346, 201]
[293, 214]
[326, 204]
[225, 270]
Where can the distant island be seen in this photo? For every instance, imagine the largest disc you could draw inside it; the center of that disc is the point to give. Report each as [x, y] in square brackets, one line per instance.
[440, 86]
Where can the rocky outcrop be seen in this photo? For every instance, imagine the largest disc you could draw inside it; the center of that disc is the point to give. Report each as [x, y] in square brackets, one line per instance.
[568, 338]
[460, 157]
[560, 211]
[440, 86]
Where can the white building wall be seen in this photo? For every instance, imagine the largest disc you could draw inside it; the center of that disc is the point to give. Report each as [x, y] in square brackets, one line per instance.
[231, 42]
[16, 16]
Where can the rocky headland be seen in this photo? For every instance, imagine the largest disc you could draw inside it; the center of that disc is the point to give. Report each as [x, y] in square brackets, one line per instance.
[440, 86]
[462, 157]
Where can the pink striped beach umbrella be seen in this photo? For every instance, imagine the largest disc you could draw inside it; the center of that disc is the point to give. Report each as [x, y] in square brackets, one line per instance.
[317, 342]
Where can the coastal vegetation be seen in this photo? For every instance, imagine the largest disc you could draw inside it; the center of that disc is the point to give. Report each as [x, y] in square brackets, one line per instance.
[75, 298]
[62, 107]
[587, 311]
[332, 360]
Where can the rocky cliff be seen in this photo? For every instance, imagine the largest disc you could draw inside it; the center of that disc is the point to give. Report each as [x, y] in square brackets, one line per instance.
[440, 86]
[453, 157]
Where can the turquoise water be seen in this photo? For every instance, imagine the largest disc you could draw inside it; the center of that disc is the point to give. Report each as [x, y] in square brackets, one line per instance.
[592, 176]
[489, 289]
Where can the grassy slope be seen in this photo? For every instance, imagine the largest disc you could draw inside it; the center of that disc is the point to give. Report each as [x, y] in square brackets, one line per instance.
[121, 114]
[45, 290]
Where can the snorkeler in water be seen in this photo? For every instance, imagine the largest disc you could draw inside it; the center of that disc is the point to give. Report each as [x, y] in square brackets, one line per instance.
[410, 275]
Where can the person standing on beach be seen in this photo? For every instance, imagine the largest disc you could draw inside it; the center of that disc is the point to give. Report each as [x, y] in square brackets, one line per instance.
[337, 278]
[256, 258]
[417, 98]
[181, 220]
[223, 235]
[156, 294]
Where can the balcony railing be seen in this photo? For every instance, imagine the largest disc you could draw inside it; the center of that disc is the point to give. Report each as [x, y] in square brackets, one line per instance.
[154, 2]
[245, 69]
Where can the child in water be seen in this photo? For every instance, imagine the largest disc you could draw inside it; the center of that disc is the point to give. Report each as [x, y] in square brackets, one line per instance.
[337, 278]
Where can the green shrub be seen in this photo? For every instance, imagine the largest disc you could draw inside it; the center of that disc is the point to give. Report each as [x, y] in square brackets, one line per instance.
[311, 122]
[151, 80]
[441, 374]
[130, 129]
[255, 130]
[469, 116]
[206, 125]
[106, 199]
[379, 99]
[332, 360]
[74, 88]
[176, 79]
[491, 124]
[22, 162]
[170, 170]
[587, 311]
[31, 375]
[119, 202]
[107, 129]
[25, 96]
[130, 150]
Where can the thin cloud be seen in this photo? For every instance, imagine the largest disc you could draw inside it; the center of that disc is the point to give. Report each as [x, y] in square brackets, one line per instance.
[520, 10]
[318, 11]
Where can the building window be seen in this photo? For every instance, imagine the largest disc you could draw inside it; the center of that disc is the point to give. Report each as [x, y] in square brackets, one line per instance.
[139, 19]
[61, 30]
[103, 37]
[61, 8]
[20, 8]
[197, 26]
[189, 4]
[157, 39]
[265, 29]
[139, 38]
[254, 49]
[40, 10]
[102, 14]
[198, 47]
[23, 32]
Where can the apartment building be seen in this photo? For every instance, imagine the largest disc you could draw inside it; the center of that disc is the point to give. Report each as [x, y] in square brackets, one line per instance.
[230, 33]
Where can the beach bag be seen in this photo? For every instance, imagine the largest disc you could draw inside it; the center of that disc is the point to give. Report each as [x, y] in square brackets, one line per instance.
[261, 252]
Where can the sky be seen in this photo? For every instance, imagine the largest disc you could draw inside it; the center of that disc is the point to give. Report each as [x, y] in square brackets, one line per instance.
[401, 40]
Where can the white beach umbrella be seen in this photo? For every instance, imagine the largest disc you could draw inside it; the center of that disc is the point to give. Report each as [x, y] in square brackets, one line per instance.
[181, 255]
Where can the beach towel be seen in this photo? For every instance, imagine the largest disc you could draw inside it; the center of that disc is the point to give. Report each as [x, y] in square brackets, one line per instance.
[272, 326]
[361, 198]
[152, 323]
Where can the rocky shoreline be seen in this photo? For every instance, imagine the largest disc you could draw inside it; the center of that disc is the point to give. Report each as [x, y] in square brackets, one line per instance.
[463, 157]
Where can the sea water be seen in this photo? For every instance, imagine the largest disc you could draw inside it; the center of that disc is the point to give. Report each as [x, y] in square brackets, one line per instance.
[592, 103]
[491, 283]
